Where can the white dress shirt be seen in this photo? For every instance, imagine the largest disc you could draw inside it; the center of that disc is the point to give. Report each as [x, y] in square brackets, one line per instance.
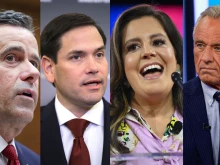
[93, 135]
[3, 145]
[212, 109]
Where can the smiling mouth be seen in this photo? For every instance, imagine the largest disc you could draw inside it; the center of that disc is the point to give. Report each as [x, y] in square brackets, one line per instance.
[152, 71]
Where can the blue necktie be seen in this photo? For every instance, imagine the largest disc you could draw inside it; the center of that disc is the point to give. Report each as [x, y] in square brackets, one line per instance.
[217, 98]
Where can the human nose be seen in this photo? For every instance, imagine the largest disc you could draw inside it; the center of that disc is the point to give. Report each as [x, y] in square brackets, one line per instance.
[207, 55]
[29, 73]
[148, 52]
[91, 66]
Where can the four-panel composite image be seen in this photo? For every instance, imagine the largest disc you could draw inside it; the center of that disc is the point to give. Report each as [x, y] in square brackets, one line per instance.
[109, 82]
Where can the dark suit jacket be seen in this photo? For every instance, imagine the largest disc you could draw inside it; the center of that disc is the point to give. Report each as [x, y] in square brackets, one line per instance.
[52, 152]
[197, 145]
[26, 156]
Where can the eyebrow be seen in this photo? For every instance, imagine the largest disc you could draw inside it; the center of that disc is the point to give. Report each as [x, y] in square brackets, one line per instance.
[151, 37]
[157, 35]
[83, 52]
[21, 50]
[199, 41]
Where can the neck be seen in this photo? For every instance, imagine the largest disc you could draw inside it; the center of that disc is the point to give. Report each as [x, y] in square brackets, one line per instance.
[154, 106]
[76, 108]
[8, 131]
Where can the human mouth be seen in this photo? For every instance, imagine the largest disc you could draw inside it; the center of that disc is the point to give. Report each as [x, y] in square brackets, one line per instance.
[93, 84]
[151, 71]
[27, 93]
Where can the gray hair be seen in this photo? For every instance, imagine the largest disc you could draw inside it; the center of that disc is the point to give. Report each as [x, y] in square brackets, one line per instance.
[13, 18]
[212, 12]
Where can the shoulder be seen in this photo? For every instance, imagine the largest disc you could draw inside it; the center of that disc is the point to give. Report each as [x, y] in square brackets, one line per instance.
[50, 105]
[106, 104]
[192, 85]
[26, 153]
[47, 109]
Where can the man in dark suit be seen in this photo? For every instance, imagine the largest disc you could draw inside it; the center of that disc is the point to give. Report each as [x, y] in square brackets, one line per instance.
[19, 64]
[74, 60]
[201, 109]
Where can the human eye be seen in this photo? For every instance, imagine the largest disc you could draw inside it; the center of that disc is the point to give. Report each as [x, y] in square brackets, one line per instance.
[158, 42]
[199, 45]
[11, 58]
[132, 47]
[99, 55]
[34, 63]
[217, 48]
[76, 57]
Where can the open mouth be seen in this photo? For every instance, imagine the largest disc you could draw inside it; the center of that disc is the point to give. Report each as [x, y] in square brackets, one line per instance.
[152, 71]
[27, 94]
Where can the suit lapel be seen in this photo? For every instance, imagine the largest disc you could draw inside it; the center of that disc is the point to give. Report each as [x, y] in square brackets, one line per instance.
[197, 116]
[52, 151]
[21, 156]
[106, 142]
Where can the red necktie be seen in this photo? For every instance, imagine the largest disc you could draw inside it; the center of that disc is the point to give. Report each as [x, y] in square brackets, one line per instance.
[10, 153]
[80, 153]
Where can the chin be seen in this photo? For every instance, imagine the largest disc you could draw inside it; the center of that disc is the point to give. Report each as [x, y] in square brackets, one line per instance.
[93, 100]
[23, 115]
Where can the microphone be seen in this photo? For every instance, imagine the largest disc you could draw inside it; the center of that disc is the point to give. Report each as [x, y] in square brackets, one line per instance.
[178, 126]
[206, 126]
[177, 79]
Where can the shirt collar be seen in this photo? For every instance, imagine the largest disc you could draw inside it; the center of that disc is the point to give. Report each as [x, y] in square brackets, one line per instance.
[3, 144]
[94, 115]
[208, 93]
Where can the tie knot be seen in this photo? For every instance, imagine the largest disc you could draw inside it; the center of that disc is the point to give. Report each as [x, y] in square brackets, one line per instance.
[217, 96]
[10, 153]
[77, 126]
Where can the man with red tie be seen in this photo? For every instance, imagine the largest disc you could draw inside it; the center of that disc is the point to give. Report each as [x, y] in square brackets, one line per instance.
[75, 124]
[19, 74]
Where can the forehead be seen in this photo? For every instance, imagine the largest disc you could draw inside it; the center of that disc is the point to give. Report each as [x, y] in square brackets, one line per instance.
[208, 28]
[143, 26]
[81, 36]
[12, 35]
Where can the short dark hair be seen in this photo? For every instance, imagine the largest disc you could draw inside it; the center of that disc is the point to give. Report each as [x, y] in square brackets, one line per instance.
[55, 29]
[121, 94]
[13, 18]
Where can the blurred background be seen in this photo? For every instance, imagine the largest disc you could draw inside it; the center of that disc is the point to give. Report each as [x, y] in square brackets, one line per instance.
[30, 135]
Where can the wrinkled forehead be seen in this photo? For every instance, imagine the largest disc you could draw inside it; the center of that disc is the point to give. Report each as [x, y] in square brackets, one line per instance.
[13, 34]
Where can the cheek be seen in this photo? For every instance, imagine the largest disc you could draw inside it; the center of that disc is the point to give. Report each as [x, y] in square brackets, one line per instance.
[196, 58]
[7, 82]
[130, 62]
[104, 68]
[169, 57]
[218, 61]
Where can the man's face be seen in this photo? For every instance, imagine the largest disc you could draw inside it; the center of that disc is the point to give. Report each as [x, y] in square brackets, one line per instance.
[80, 74]
[207, 51]
[19, 63]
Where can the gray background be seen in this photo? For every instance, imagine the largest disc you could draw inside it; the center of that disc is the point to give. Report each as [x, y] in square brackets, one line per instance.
[51, 9]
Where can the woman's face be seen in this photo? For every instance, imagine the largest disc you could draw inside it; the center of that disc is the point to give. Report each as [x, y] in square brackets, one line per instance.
[149, 57]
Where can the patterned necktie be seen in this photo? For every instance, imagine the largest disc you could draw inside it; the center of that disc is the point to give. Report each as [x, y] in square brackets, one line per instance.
[80, 153]
[10, 153]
